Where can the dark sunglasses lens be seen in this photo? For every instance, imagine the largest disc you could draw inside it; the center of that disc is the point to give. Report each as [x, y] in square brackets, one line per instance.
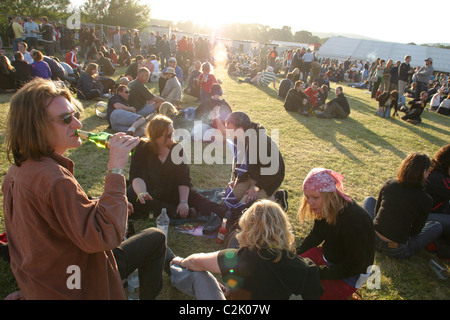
[68, 118]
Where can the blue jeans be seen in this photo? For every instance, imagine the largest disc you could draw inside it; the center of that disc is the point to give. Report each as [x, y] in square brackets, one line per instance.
[199, 284]
[444, 220]
[121, 120]
[431, 231]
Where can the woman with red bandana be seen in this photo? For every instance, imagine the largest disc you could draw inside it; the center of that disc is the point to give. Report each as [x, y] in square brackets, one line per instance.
[345, 231]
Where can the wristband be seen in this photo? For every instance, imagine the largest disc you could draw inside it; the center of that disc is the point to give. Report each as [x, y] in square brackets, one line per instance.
[116, 171]
[183, 201]
[137, 199]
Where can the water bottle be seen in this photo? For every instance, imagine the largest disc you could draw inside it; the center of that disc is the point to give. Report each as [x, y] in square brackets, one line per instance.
[133, 285]
[162, 222]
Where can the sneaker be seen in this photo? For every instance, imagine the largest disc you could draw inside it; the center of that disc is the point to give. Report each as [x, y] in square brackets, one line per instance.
[412, 121]
[281, 197]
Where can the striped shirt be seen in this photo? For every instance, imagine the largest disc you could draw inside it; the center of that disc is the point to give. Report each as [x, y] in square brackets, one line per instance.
[267, 78]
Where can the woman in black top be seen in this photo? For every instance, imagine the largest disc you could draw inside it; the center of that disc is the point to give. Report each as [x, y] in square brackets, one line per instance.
[296, 99]
[438, 187]
[159, 175]
[343, 228]
[400, 213]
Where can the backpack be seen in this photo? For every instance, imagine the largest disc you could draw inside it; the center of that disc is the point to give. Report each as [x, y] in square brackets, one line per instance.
[10, 31]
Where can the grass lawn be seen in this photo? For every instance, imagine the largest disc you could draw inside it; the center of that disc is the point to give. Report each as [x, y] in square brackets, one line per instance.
[365, 148]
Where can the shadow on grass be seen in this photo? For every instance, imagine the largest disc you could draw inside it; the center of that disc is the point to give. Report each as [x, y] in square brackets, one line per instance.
[423, 134]
[351, 128]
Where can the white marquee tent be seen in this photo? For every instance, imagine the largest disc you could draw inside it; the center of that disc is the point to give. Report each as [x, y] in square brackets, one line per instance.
[342, 48]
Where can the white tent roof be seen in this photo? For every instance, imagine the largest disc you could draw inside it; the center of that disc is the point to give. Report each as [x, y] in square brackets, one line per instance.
[359, 49]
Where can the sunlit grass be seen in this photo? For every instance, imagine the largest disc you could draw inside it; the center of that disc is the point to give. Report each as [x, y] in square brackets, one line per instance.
[364, 147]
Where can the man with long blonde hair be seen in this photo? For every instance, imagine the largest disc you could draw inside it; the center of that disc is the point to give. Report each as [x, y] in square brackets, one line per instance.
[60, 241]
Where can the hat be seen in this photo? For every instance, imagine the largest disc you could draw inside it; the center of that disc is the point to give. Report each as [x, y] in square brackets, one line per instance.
[170, 70]
[270, 69]
[172, 59]
[325, 180]
[100, 109]
[429, 59]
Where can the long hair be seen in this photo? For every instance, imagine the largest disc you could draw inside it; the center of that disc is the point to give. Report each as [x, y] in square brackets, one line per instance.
[265, 226]
[28, 125]
[332, 204]
[441, 161]
[5, 65]
[156, 128]
[412, 169]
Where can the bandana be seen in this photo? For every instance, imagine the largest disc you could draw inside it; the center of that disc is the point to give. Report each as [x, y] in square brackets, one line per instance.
[325, 180]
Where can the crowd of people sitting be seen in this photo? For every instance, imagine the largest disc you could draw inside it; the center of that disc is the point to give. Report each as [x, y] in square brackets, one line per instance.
[261, 259]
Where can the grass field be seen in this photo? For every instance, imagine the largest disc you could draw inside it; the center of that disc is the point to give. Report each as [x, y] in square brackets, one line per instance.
[365, 148]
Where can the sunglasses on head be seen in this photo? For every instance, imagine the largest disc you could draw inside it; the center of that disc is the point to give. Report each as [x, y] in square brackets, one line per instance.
[67, 119]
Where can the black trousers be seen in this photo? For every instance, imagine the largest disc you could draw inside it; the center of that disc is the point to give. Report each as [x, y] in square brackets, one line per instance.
[146, 251]
[202, 205]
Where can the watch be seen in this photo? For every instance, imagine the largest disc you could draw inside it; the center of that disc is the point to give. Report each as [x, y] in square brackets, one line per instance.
[116, 171]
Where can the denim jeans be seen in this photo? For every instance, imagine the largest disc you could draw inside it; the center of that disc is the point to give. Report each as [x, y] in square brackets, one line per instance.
[199, 284]
[444, 220]
[121, 120]
[430, 232]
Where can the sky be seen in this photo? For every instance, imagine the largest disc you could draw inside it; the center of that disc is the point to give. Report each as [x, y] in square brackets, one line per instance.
[387, 20]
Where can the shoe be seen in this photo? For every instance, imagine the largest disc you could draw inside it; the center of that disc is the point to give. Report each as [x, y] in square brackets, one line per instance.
[212, 225]
[321, 116]
[281, 197]
[412, 121]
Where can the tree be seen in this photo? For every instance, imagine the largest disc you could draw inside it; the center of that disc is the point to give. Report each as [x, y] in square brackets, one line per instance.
[52, 9]
[116, 12]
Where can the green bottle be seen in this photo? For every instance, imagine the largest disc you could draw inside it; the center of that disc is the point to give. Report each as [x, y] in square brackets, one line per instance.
[101, 139]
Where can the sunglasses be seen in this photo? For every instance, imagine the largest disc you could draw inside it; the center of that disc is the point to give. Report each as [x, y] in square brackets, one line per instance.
[67, 119]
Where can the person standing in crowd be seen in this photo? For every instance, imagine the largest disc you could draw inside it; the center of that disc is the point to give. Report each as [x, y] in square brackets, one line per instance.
[163, 47]
[47, 36]
[48, 213]
[18, 33]
[344, 228]
[423, 77]
[404, 73]
[31, 30]
[400, 213]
